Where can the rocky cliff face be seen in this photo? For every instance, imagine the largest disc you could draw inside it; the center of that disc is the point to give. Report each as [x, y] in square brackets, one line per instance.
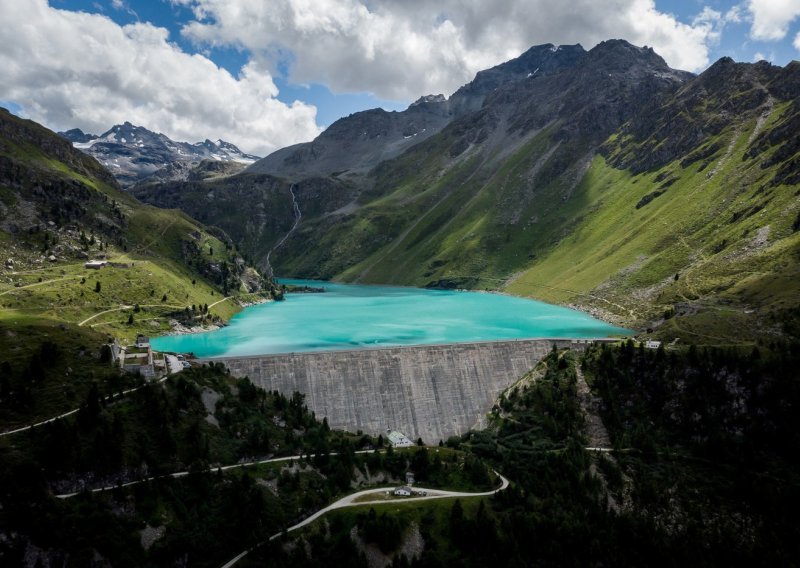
[726, 94]
[357, 143]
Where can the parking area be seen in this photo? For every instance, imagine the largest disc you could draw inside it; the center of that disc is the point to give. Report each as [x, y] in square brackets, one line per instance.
[174, 365]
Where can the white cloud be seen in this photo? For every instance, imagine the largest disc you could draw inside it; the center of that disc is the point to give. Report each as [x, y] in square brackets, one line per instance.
[771, 18]
[712, 21]
[123, 6]
[797, 42]
[400, 50]
[73, 69]
[734, 15]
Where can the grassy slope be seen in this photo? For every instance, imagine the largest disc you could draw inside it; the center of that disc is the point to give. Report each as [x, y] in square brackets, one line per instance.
[729, 257]
[439, 218]
[153, 245]
[500, 223]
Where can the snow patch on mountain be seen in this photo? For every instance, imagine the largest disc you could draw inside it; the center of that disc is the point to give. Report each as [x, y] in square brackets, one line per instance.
[137, 153]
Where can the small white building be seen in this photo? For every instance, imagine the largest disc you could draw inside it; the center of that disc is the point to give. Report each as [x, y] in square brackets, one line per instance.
[95, 264]
[650, 344]
[403, 492]
[398, 439]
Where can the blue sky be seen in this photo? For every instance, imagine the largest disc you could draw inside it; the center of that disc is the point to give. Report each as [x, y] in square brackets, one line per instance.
[265, 74]
[330, 107]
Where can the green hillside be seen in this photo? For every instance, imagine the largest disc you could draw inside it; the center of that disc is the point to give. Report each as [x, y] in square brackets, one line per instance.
[60, 208]
[648, 197]
[650, 222]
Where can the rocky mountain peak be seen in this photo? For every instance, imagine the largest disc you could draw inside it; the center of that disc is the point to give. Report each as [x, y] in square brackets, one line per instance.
[133, 153]
[77, 135]
[538, 61]
[360, 141]
[620, 56]
[428, 99]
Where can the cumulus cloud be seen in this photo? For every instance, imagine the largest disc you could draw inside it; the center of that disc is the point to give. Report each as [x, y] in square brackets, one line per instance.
[400, 50]
[771, 18]
[734, 15]
[712, 21]
[74, 69]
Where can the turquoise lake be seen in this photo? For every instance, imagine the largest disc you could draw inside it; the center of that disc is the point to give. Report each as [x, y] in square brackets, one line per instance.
[348, 316]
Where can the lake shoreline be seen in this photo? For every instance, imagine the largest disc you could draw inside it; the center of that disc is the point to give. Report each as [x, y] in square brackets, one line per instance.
[177, 328]
[359, 317]
[605, 316]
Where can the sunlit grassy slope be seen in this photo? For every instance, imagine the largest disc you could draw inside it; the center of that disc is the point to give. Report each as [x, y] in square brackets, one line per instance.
[713, 242]
[56, 201]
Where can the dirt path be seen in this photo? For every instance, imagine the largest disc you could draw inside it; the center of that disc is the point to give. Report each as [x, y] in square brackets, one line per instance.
[140, 305]
[71, 412]
[185, 473]
[98, 314]
[39, 284]
[219, 301]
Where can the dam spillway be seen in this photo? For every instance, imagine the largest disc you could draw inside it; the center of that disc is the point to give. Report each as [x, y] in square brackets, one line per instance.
[430, 391]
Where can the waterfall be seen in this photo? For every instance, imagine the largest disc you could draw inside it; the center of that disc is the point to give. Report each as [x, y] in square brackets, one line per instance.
[297, 215]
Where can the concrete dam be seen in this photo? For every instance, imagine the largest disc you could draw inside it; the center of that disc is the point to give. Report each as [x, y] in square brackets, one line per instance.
[430, 391]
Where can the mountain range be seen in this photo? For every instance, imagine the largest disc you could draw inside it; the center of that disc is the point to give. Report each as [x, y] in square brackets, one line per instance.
[134, 154]
[602, 179]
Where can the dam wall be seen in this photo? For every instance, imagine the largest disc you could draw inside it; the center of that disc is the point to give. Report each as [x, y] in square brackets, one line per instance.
[432, 391]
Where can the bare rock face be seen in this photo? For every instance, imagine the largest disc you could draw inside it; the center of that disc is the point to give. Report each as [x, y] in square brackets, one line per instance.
[726, 93]
[359, 142]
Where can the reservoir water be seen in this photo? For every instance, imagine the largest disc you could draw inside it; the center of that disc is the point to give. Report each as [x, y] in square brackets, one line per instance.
[348, 316]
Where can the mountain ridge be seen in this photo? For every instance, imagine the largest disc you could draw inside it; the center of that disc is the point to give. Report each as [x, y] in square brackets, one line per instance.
[134, 154]
[357, 143]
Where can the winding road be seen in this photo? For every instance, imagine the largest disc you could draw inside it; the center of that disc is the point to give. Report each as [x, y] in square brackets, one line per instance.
[351, 501]
[71, 412]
